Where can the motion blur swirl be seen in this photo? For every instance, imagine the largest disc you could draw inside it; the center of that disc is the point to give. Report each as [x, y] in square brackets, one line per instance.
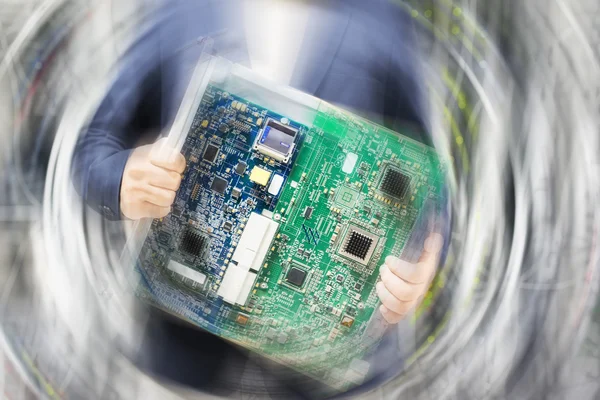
[514, 112]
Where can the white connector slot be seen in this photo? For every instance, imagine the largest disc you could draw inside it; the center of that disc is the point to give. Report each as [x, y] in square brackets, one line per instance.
[187, 272]
[247, 259]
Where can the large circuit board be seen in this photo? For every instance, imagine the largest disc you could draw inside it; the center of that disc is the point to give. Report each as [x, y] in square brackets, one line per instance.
[278, 230]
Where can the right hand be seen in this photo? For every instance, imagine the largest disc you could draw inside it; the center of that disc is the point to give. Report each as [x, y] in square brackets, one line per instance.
[151, 177]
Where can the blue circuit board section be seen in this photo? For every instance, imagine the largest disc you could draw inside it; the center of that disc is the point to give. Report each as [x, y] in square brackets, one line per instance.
[218, 193]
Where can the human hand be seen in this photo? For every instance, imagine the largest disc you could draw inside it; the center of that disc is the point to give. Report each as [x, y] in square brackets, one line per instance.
[403, 284]
[151, 177]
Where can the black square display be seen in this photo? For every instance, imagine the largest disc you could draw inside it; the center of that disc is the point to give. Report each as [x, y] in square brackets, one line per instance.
[219, 185]
[296, 276]
[394, 183]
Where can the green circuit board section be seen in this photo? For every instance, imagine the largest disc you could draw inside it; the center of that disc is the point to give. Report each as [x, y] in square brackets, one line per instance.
[351, 194]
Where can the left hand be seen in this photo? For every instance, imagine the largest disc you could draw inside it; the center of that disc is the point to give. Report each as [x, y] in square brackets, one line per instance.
[403, 284]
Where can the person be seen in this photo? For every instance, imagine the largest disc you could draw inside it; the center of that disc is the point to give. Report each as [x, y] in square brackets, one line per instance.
[357, 55]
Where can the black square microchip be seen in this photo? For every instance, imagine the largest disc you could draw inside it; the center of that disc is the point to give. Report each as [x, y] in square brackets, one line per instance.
[296, 276]
[210, 154]
[358, 245]
[227, 226]
[394, 183]
[192, 242]
[219, 185]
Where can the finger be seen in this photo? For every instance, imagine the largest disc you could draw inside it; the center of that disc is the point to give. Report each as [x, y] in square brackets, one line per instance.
[166, 179]
[422, 271]
[401, 289]
[148, 210]
[391, 302]
[157, 196]
[390, 316]
[164, 156]
[431, 249]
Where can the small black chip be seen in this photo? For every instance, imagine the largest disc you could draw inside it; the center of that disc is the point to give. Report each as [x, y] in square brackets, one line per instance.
[210, 154]
[394, 183]
[192, 243]
[358, 245]
[357, 286]
[308, 212]
[240, 168]
[296, 276]
[340, 278]
[219, 185]
[227, 226]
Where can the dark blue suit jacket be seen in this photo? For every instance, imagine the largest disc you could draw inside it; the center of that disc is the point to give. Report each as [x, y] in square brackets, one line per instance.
[359, 54]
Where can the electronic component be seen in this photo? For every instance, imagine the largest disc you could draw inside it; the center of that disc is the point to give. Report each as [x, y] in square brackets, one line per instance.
[187, 272]
[349, 163]
[240, 168]
[247, 259]
[394, 183]
[192, 242]
[358, 245]
[275, 244]
[242, 319]
[260, 176]
[308, 212]
[276, 184]
[276, 140]
[210, 153]
[219, 185]
[347, 321]
[296, 276]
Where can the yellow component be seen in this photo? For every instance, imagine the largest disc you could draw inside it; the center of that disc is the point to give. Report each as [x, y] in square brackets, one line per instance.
[244, 107]
[228, 170]
[347, 179]
[242, 319]
[259, 121]
[273, 248]
[234, 104]
[260, 176]
[204, 123]
[279, 236]
[325, 191]
[221, 273]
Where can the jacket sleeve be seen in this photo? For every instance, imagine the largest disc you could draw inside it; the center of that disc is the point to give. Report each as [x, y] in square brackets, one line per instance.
[130, 109]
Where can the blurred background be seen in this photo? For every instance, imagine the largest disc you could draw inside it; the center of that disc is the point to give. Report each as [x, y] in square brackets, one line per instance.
[513, 108]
